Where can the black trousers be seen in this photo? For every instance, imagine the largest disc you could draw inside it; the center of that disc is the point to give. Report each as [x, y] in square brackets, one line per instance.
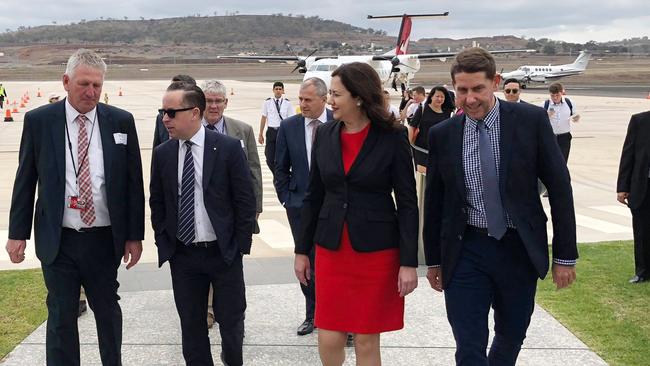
[88, 260]
[564, 141]
[641, 228]
[309, 291]
[490, 273]
[193, 270]
[269, 148]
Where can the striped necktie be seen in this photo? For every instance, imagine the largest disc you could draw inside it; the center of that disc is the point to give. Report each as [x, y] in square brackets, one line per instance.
[186, 229]
[83, 180]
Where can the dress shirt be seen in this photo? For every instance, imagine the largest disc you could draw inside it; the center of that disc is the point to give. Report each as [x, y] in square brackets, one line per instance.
[308, 133]
[270, 111]
[220, 126]
[561, 119]
[412, 108]
[95, 159]
[472, 165]
[204, 229]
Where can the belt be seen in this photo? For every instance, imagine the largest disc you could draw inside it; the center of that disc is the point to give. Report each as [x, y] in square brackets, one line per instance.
[272, 128]
[92, 229]
[200, 244]
[563, 134]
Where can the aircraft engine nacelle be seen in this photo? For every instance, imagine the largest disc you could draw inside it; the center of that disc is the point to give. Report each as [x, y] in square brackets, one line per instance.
[538, 78]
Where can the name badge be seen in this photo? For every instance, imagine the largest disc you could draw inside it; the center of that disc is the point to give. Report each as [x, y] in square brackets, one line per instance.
[76, 203]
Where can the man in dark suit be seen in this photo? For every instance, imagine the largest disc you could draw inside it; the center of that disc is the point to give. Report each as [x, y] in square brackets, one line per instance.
[634, 189]
[160, 134]
[292, 162]
[90, 208]
[202, 212]
[512, 90]
[485, 235]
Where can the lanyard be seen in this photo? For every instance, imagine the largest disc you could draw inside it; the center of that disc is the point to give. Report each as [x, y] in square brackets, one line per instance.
[67, 134]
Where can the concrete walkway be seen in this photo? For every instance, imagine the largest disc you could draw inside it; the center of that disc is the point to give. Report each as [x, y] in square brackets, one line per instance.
[151, 333]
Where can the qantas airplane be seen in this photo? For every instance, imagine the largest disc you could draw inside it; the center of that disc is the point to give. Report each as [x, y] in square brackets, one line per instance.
[541, 74]
[396, 67]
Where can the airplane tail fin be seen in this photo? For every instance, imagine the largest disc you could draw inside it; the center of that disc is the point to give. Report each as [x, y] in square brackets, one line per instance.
[404, 30]
[582, 60]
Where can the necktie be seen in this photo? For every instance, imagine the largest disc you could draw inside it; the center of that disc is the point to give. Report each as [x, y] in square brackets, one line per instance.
[277, 106]
[313, 124]
[491, 196]
[83, 179]
[186, 231]
[210, 127]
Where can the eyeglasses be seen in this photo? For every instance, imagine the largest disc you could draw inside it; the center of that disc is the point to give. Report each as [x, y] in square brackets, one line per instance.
[513, 91]
[172, 112]
[217, 101]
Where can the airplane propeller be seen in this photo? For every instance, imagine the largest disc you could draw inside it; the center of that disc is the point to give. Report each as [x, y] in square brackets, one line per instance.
[301, 62]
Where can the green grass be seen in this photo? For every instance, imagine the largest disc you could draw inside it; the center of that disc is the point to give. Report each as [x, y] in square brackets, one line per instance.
[607, 313]
[22, 306]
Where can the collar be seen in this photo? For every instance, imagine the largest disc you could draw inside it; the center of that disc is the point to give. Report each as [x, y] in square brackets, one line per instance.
[561, 101]
[72, 114]
[490, 118]
[218, 123]
[322, 118]
[198, 139]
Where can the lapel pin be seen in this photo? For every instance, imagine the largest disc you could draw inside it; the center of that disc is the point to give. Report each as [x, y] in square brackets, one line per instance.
[214, 148]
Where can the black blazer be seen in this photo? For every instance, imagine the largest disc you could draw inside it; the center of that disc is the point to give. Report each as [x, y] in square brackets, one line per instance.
[291, 166]
[362, 198]
[160, 133]
[528, 151]
[227, 194]
[42, 159]
[635, 160]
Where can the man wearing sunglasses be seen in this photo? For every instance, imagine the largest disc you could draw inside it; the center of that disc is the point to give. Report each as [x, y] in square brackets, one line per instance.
[202, 212]
[512, 91]
[160, 134]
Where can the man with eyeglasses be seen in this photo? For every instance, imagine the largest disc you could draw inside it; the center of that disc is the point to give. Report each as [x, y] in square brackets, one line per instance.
[512, 90]
[202, 212]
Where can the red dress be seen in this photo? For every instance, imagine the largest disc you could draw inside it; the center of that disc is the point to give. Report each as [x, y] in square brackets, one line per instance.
[357, 292]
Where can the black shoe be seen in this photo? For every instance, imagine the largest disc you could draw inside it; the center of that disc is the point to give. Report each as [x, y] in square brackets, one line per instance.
[306, 327]
[82, 307]
[350, 341]
[637, 279]
[223, 360]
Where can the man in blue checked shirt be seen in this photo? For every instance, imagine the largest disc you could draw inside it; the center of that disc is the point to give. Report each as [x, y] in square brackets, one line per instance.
[485, 235]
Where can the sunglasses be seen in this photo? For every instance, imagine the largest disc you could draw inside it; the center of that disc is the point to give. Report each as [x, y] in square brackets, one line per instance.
[172, 112]
[513, 91]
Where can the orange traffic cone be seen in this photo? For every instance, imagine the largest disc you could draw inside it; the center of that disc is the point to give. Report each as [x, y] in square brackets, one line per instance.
[26, 96]
[232, 91]
[648, 97]
[15, 109]
[38, 94]
[22, 103]
[8, 117]
[120, 92]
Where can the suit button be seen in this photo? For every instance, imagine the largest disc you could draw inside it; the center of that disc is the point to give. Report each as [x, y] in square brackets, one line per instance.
[345, 205]
[460, 237]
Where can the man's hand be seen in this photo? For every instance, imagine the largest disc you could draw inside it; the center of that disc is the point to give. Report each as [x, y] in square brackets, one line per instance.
[302, 268]
[563, 276]
[132, 249]
[434, 275]
[260, 138]
[622, 197]
[16, 250]
[407, 280]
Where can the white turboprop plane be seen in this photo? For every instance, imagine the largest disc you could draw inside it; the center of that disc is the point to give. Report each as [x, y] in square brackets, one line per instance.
[395, 67]
[541, 74]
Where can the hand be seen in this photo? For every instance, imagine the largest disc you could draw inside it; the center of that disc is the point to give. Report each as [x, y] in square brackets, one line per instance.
[132, 249]
[260, 138]
[16, 250]
[302, 268]
[563, 276]
[434, 275]
[575, 118]
[407, 280]
[622, 197]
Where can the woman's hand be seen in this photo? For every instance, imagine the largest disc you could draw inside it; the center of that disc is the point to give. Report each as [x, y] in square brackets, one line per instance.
[302, 268]
[407, 280]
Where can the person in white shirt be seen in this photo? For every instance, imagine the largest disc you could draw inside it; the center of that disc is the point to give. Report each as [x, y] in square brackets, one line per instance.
[561, 112]
[274, 110]
[419, 94]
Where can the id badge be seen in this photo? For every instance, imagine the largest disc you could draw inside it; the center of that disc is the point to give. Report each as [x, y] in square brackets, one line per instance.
[76, 203]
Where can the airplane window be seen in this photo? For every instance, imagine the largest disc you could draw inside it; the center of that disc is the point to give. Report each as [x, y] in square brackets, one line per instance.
[312, 68]
[332, 68]
[323, 68]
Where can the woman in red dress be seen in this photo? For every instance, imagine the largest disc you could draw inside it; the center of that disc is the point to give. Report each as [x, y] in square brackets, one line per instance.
[366, 247]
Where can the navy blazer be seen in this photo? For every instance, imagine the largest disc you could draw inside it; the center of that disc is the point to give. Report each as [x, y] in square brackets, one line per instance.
[42, 159]
[227, 194]
[529, 151]
[635, 160]
[363, 197]
[292, 168]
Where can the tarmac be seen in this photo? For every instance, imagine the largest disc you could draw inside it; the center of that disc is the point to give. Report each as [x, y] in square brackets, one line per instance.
[275, 303]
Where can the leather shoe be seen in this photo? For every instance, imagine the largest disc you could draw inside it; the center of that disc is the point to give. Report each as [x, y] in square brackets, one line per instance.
[306, 327]
[349, 342]
[83, 307]
[637, 279]
[223, 359]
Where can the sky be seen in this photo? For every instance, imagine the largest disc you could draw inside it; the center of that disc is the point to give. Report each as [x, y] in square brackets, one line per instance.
[572, 21]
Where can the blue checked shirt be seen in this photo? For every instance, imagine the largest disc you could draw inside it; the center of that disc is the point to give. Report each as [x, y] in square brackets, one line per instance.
[472, 170]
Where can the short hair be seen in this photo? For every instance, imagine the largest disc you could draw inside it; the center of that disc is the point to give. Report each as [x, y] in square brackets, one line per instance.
[84, 57]
[214, 87]
[186, 78]
[278, 83]
[419, 90]
[318, 83]
[192, 95]
[555, 88]
[474, 60]
[512, 80]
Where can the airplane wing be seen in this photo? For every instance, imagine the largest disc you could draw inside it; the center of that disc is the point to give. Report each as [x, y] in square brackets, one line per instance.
[431, 56]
